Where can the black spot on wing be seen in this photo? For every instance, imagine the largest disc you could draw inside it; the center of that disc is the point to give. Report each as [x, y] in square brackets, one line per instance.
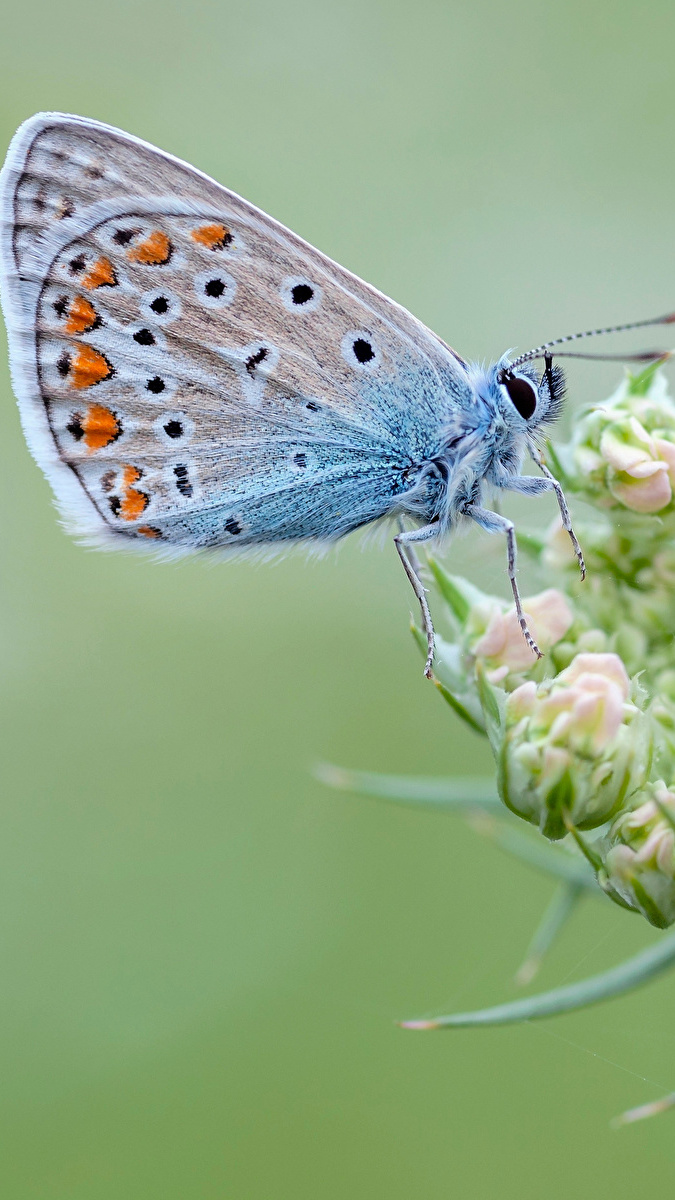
[214, 288]
[254, 360]
[363, 350]
[74, 427]
[182, 480]
[144, 337]
[302, 293]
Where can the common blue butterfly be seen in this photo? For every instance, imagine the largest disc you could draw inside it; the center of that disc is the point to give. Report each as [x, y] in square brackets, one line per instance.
[193, 376]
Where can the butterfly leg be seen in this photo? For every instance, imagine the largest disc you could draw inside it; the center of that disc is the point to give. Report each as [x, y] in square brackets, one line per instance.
[494, 523]
[404, 545]
[530, 485]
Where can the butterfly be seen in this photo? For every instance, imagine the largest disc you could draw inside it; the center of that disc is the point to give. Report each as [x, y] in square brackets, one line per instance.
[193, 376]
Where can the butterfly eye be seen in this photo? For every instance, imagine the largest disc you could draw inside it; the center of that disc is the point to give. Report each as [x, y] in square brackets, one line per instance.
[521, 393]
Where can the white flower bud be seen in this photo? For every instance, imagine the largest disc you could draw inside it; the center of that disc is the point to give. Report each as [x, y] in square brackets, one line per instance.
[495, 636]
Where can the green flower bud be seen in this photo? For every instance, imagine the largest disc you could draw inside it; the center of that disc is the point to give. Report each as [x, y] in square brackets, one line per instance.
[639, 856]
[574, 748]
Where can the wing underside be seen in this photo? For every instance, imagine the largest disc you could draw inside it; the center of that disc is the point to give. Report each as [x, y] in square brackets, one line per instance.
[190, 373]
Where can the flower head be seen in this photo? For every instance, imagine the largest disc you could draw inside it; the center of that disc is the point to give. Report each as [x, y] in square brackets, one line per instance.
[575, 746]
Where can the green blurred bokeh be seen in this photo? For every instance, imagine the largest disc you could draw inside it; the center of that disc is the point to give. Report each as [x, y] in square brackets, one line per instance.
[203, 952]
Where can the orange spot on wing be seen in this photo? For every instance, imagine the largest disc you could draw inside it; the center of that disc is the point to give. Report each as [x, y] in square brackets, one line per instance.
[130, 502]
[214, 237]
[100, 274]
[148, 531]
[153, 251]
[134, 502]
[130, 475]
[99, 427]
[82, 316]
[88, 366]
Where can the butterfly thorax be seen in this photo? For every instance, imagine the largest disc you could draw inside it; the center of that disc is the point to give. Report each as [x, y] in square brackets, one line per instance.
[485, 441]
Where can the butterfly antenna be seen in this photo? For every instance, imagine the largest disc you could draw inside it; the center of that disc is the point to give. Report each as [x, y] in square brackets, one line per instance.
[648, 356]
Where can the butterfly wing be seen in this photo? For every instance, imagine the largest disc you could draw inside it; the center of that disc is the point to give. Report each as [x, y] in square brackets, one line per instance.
[189, 372]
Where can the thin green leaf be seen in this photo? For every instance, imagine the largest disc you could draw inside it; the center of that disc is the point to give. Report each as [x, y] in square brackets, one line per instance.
[419, 637]
[459, 708]
[588, 851]
[449, 794]
[458, 593]
[554, 860]
[633, 973]
[557, 913]
[492, 702]
[556, 467]
[453, 596]
[639, 385]
[444, 666]
[653, 1109]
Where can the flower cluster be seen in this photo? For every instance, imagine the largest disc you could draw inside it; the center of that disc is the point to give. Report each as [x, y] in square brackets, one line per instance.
[639, 856]
[622, 454]
[575, 748]
[584, 737]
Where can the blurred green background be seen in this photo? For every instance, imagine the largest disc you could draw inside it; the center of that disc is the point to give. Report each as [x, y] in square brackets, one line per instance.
[203, 951]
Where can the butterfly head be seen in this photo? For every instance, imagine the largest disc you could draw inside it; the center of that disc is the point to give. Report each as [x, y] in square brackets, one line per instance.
[525, 399]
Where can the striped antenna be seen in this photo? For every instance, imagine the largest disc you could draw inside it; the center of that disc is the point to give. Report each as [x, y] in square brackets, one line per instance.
[542, 351]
